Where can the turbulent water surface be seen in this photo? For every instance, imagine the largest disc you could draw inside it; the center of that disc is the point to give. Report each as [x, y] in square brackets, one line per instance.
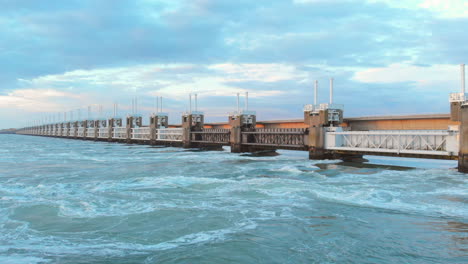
[70, 201]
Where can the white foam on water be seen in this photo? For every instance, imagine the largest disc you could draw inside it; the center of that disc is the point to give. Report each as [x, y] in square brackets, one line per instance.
[289, 168]
[19, 259]
[35, 244]
[238, 193]
[409, 196]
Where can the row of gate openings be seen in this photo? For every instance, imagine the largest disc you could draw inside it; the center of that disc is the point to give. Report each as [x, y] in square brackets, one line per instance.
[432, 142]
[142, 133]
[283, 137]
[287, 137]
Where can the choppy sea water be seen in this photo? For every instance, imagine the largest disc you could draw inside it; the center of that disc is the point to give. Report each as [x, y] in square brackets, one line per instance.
[70, 201]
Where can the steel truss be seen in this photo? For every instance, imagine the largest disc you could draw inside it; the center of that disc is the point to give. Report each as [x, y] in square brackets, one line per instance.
[276, 137]
[211, 135]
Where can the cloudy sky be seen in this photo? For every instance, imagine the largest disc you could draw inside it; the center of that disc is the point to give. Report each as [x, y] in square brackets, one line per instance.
[386, 56]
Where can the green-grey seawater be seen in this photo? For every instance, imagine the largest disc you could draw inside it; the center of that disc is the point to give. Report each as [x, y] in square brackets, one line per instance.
[71, 201]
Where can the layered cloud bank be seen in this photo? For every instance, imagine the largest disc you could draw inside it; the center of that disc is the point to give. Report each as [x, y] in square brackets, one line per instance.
[387, 57]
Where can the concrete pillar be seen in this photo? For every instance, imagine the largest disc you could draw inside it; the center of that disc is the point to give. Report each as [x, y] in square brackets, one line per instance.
[318, 120]
[91, 126]
[61, 129]
[75, 129]
[157, 121]
[455, 111]
[463, 145]
[315, 139]
[67, 129]
[130, 125]
[85, 128]
[97, 125]
[153, 125]
[193, 121]
[241, 123]
[110, 128]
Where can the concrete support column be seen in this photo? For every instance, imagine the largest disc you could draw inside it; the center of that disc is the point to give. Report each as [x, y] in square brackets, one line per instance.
[110, 127]
[316, 137]
[75, 129]
[240, 123]
[68, 127]
[97, 125]
[235, 139]
[62, 126]
[319, 118]
[191, 122]
[186, 140]
[85, 128]
[455, 111]
[463, 145]
[157, 121]
[153, 126]
[129, 126]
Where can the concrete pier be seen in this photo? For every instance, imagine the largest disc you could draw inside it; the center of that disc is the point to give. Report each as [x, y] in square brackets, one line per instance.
[241, 122]
[318, 119]
[463, 147]
[130, 124]
[192, 121]
[157, 121]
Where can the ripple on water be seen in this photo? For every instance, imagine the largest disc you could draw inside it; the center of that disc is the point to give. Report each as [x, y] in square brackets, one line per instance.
[71, 201]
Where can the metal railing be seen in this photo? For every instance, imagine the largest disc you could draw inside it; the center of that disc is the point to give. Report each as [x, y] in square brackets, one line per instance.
[103, 132]
[73, 132]
[141, 133]
[457, 97]
[319, 107]
[169, 134]
[81, 132]
[90, 132]
[428, 142]
[119, 133]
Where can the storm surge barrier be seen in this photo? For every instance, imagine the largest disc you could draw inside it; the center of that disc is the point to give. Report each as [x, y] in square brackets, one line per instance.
[323, 132]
